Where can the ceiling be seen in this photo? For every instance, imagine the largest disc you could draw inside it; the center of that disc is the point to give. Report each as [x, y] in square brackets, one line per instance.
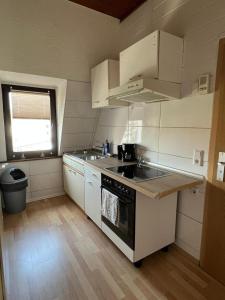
[119, 9]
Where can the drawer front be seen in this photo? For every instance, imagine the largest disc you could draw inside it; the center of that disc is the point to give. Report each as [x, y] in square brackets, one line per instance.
[92, 174]
[73, 164]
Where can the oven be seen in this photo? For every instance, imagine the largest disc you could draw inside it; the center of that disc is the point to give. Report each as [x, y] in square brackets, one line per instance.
[124, 227]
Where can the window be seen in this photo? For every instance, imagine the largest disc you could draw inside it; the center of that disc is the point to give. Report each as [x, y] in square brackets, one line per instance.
[30, 121]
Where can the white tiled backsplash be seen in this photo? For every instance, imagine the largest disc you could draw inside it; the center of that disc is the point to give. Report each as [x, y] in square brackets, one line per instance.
[168, 132]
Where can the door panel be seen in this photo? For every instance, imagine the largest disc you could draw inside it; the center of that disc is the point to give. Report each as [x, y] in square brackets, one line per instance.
[213, 239]
[93, 200]
[213, 245]
[74, 185]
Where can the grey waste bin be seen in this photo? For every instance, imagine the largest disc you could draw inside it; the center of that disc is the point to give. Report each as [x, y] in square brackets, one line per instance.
[13, 182]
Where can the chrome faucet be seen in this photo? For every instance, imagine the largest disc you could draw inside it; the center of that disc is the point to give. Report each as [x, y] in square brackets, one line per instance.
[140, 160]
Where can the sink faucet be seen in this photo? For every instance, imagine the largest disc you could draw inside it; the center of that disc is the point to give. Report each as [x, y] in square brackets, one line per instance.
[140, 160]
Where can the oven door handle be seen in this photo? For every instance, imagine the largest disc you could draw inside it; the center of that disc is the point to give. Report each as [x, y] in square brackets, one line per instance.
[127, 201]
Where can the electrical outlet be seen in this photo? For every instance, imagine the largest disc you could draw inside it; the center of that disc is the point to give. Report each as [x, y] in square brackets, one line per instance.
[198, 157]
[220, 172]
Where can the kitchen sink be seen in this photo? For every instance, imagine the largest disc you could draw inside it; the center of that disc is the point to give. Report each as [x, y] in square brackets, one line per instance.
[86, 155]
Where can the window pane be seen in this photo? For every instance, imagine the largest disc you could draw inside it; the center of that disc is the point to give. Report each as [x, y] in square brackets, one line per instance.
[31, 121]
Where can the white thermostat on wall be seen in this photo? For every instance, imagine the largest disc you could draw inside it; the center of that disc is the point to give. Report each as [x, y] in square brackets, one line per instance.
[204, 84]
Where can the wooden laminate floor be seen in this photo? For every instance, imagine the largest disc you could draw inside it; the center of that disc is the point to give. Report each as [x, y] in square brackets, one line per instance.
[51, 251]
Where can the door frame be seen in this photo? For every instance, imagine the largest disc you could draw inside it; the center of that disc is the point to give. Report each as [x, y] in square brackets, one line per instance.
[218, 111]
[215, 190]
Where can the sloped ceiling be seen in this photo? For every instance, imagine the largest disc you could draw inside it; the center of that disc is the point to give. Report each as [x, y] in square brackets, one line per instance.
[115, 8]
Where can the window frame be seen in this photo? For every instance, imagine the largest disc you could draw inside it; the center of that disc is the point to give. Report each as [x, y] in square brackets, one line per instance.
[11, 155]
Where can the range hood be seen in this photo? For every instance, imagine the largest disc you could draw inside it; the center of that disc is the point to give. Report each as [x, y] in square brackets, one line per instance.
[146, 90]
[151, 69]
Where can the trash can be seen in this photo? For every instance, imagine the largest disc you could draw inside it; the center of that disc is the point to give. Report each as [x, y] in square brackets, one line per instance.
[13, 182]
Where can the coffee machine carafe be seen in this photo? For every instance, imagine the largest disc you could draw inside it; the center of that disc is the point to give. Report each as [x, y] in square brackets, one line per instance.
[128, 152]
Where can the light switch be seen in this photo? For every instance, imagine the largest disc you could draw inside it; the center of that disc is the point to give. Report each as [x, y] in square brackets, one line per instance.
[221, 157]
[220, 171]
[198, 157]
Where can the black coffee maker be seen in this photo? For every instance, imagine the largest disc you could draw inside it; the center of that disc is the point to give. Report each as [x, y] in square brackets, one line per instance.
[126, 152]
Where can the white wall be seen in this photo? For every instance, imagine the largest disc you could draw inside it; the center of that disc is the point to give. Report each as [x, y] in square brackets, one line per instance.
[60, 39]
[80, 119]
[55, 38]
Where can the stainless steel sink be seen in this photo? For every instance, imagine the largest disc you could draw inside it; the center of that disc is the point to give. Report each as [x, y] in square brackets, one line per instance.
[86, 155]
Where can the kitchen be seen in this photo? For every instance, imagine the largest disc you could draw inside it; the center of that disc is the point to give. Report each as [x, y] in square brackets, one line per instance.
[170, 128]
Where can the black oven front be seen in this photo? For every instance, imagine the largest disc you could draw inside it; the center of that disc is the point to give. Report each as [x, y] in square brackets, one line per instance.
[125, 228]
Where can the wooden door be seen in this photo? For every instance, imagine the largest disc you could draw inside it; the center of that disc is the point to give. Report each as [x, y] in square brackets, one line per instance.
[213, 241]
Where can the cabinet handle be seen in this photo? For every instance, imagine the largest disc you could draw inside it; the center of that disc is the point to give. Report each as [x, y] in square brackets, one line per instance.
[93, 174]
[90, 182]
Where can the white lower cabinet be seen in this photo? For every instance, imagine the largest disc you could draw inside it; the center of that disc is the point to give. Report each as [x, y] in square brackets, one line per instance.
[93, 195]
[74, 185]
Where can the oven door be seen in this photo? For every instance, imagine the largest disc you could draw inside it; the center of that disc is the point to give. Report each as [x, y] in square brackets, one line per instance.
[125, 227]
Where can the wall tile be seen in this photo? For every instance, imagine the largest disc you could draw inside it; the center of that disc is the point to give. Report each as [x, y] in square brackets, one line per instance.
[147, 137]
[78, 91]
[80, 109]
[115, 135]
[143, 114]
[183, 164]
[78, 125]
[182, 141]
[114, 117]
[191, 203]
[77, 141]
[45, 181]
[39, 167]
[189, 231]
[193, 111]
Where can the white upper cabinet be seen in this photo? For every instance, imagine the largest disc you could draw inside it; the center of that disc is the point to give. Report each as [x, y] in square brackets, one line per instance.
[159, 55]
[105, 76]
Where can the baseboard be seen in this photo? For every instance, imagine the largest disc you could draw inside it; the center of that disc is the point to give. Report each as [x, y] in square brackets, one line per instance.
[45, 197]
[183, 252]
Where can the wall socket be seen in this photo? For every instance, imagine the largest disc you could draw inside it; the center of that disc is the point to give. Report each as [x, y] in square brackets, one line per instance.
[198, 157]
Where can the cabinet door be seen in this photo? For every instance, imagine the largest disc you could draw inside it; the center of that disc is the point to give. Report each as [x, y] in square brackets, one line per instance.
[74, 185]
[100, 83]
[93, 200]
[66, 175]
[140, 59]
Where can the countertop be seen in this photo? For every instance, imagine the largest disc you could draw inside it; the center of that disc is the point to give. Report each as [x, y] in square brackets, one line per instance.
[154, 188]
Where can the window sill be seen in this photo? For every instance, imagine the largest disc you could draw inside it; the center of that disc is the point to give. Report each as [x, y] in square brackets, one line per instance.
[31, 159]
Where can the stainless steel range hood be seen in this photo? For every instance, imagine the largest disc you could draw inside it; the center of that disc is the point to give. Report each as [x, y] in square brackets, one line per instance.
[146, 90]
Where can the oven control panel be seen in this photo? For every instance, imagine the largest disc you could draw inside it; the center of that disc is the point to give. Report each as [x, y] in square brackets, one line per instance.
[118, 187]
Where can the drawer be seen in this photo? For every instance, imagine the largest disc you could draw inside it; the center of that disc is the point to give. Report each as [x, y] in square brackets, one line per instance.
[92, 174]
[73, 164]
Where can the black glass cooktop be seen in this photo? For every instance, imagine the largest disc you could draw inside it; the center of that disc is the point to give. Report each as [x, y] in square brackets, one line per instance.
[138, 173]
